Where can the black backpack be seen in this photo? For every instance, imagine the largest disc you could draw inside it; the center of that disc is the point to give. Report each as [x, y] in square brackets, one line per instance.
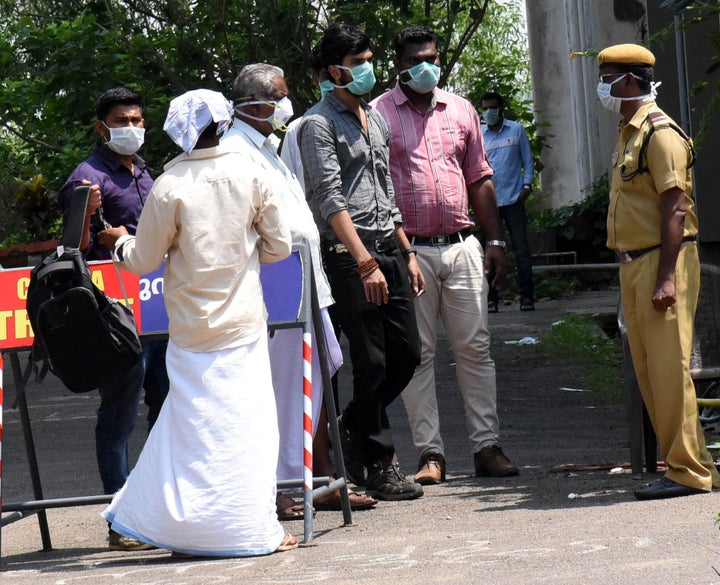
[86, 337]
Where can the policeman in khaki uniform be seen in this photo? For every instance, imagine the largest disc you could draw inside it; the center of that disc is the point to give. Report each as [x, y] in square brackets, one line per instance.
[652, 227]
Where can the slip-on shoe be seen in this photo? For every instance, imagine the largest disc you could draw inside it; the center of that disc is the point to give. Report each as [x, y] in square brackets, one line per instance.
[666, 488]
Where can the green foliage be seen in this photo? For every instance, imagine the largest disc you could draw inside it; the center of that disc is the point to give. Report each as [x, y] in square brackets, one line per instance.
[554, 286]
[57, 56]
[27, 212]
[577, 337]
[586, 219]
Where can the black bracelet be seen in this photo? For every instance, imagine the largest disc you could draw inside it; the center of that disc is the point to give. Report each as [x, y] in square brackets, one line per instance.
[410, 250]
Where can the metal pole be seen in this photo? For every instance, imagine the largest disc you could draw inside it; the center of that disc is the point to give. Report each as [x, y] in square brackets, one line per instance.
[20, 383]
[682, 74]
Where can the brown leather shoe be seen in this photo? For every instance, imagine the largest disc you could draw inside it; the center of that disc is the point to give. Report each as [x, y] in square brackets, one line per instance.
[431, 469]
[490, 461]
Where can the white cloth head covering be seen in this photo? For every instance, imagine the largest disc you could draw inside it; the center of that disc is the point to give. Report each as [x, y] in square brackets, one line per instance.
[192, 112]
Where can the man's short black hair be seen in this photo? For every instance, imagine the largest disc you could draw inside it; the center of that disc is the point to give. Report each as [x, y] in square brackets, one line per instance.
[116, 97]
[493, 95]
[341, 40]
[413, 35]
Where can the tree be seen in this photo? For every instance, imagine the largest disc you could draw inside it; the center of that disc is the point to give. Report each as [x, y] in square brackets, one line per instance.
[57, 56]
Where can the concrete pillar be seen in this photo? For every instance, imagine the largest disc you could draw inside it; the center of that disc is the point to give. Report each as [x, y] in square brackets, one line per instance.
[579, 133]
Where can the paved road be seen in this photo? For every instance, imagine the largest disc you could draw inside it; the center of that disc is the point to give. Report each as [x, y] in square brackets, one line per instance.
[524, 530]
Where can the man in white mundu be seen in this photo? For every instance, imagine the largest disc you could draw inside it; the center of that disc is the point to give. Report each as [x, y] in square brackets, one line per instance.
[205, 482]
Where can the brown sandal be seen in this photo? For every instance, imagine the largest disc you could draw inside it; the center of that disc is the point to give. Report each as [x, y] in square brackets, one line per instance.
[332, 501]
[288, 509]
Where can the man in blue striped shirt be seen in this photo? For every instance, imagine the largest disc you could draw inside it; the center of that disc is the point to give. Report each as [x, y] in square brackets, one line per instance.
[508, 150]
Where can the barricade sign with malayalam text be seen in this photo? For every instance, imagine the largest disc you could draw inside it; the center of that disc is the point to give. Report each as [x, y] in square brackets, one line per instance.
[144, 297]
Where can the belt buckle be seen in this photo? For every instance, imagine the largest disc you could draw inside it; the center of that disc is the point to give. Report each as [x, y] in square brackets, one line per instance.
[338, 248]
[439, 240]
[382, 246]
[623, 256]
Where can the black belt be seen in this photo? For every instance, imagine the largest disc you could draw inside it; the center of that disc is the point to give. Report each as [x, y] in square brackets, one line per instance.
[380, 246]
[626, 256]
[442, 240]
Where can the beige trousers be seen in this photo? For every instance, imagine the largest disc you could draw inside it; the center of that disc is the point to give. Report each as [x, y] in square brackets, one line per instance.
[457, 293]
[660, 344]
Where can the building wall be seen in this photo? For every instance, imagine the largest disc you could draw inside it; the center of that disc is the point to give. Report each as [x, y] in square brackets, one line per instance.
[580, 134]
[698, 51]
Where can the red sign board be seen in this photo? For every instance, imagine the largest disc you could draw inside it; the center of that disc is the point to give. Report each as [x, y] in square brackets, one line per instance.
[15, 329]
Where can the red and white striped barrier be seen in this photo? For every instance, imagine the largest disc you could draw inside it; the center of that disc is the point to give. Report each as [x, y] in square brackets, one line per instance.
[307, 412]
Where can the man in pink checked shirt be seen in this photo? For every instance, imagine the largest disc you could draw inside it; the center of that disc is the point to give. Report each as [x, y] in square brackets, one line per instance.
[439, 168]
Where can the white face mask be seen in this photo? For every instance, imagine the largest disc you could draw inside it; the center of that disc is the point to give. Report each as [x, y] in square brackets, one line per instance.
[126, 140]
[614, 103]
[283, 112]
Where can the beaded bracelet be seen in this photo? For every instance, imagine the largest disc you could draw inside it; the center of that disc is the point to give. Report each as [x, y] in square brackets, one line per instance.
[368, 267]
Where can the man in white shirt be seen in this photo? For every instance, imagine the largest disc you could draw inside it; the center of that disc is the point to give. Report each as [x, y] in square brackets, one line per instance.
[261, 107]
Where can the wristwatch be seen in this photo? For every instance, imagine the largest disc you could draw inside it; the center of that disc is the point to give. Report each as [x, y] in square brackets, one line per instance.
[410, 250]
[528, 186]
[498, 243]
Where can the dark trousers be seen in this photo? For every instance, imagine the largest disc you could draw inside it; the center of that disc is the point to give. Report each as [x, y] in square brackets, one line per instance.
[384, 346]
[515, 219]
[156, 381]
[117, 414]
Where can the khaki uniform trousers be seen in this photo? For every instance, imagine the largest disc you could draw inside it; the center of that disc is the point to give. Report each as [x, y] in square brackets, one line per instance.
[661, 344]
[456, 290]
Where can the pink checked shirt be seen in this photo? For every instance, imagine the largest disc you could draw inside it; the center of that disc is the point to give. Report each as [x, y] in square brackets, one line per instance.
[433, 157]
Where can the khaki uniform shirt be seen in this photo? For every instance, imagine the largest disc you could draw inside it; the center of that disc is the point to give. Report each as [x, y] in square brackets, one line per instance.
[634, 214]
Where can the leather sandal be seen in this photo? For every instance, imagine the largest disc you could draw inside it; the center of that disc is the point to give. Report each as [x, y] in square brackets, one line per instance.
[333, 501]
[288, 509]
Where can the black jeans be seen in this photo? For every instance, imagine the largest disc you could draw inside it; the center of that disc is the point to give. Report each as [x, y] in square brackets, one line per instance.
[515, 219]
[384, 346]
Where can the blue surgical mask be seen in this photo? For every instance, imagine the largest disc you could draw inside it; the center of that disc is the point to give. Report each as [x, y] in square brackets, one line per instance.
[423, 77]
[363, 78]
[492, 116]
[326, 87]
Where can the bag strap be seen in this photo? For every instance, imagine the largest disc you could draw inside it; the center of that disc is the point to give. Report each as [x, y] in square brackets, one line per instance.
[659, 120]
[73, 230]
[55, 266]
[122, 285]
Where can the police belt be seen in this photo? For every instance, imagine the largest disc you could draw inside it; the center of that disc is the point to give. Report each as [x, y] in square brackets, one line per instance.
[625, 256]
